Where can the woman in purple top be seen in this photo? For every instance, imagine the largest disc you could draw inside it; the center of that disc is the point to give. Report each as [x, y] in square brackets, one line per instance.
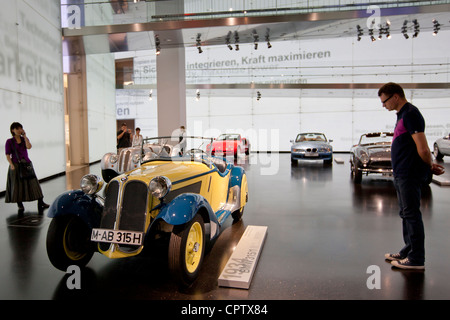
[19, 190]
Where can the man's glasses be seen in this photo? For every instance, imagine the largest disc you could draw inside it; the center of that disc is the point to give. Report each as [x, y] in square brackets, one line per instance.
[383, 102]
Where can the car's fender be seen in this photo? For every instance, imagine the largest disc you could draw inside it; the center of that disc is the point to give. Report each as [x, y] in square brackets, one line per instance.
[236, 176]
[76, 202]
[184, 207]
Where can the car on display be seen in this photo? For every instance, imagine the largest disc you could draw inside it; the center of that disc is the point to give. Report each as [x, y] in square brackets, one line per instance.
[311, 146]
[181, 201]
[113, 164]
[229, 144]
[372, 154]
[441, 147]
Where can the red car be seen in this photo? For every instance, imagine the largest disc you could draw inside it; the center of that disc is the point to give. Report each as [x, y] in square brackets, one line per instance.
[229, 144]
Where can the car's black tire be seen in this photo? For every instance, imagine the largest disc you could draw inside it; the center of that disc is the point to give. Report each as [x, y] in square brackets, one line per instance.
[356, 175]
[186, 250]
[437, 154]
[68, 242]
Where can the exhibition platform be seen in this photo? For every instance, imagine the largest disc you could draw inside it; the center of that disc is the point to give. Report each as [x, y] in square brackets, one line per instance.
[325, 238]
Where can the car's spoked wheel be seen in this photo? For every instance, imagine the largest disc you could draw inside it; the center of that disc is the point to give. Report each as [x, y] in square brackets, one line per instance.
[186, 250]
[68, 242]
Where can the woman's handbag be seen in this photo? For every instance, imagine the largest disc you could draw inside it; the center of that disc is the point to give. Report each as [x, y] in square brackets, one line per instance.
[26, 170]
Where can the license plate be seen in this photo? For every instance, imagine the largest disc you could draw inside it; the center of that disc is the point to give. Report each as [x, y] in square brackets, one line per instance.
[117, 236]
[311, 154]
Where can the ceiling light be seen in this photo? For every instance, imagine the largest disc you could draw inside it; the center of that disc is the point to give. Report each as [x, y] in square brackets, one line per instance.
[198, 43]
[255, 39]
[268, 38]
[227, 40]
[157, 44]
[236, 40]
[436, 27]
[360, 32]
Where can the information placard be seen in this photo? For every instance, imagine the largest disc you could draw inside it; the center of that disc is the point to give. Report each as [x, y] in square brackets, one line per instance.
[239, 270]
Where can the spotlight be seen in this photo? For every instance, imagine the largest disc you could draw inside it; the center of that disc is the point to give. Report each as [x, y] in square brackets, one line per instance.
[197, 95]
[436, 27]
[360, 32]
[199, 43]
[255, 39]
[227, 40]
[371, 35]
[268, 38]
[150, 95]
[236, 40]
[416, 28]
[157, 44]
[405, 29]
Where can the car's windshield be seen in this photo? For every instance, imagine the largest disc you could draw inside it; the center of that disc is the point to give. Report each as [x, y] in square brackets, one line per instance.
[233, 136]
[376, 138]
[310, 137]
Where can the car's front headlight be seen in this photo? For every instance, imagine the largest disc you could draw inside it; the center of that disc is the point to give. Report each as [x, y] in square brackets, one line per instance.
[136, 158]
[114, 158]
[91, 184]
[160, 186]
[364, 158]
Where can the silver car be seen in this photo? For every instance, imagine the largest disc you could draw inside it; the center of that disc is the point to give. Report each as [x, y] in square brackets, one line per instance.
[113, 164]
[441, 147]
[311, 146]
[372, 154]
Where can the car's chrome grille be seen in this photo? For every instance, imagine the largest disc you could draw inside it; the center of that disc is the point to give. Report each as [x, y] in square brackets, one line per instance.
[124, 159]
[110, 210]
[381, 164]
[134, 202]
[133, 210]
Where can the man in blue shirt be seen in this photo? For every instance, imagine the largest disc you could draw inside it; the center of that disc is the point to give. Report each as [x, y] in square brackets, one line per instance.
[412, 167]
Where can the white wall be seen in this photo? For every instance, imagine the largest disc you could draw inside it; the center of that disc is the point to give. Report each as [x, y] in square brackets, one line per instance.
[101, 105]
[31, 85]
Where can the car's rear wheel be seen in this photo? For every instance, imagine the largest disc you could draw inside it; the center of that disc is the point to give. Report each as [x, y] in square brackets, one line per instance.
[237, 215]
[186, 250]
[68, 242]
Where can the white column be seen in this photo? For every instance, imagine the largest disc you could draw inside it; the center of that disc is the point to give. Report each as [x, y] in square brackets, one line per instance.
[171, 89]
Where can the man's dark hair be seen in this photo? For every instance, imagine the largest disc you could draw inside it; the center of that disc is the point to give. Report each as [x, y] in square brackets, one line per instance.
[390, 89]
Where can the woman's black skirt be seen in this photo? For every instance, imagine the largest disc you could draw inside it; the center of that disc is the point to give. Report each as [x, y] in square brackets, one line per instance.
[18, 190]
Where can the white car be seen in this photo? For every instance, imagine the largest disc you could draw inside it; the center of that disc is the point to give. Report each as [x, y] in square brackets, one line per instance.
[441, 147]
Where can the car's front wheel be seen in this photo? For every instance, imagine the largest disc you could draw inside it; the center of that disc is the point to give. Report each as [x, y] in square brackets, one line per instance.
[356, 174]
[68, 242]
[437, 154]
[186, 250]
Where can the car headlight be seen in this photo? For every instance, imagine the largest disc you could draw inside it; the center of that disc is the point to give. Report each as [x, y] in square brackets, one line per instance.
[91, 184]
[160, 186]
[136, 158]
[364, 158]
[114, 158]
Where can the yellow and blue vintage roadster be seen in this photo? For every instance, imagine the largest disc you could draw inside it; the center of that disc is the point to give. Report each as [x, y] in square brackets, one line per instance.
[184, 197]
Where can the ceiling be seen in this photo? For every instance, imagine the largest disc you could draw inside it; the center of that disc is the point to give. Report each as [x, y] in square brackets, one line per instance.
[141, 36]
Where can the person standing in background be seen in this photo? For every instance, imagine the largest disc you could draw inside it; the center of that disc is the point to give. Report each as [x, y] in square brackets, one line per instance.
[123, 138]
[137, 138]
[20, 190]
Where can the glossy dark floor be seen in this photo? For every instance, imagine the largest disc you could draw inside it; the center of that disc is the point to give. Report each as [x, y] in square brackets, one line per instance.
[323, 234]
